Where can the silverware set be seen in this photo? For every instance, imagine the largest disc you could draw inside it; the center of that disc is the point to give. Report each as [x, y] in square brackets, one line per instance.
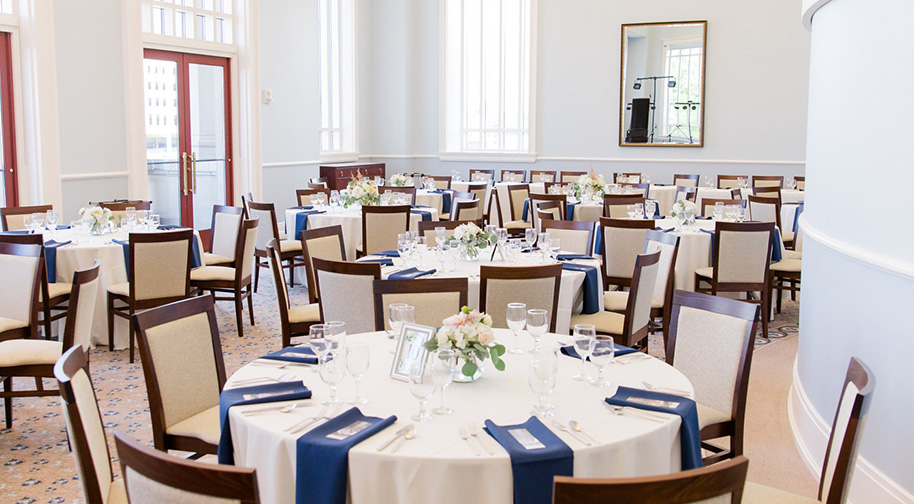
[285, 377]
[637, 412]
[404, 434]
[321, 416]
[575, 430]
[471, 433]
[279, 364]
[279, 408]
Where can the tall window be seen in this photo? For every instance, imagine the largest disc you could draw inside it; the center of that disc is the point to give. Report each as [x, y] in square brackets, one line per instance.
[487, 105]
[682, 104]
[9, 195]
[338, 134]
[202, 20]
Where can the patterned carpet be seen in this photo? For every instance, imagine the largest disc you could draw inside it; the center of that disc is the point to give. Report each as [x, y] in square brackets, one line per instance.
[37, 467]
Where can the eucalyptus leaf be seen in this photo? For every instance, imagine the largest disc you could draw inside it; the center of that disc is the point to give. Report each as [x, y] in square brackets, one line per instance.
[469, 368]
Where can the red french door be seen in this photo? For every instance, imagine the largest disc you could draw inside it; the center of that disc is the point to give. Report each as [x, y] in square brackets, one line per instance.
[9, 180]
[188, 135]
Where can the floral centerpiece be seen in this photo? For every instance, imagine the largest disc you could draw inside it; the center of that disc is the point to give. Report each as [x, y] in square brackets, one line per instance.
[360, 190]
[592, 185]
[469, 333]
[99, 219]
[685, 211]
[399, 180]
[469, 239]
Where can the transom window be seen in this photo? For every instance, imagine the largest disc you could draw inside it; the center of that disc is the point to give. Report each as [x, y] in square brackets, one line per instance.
[202, 20]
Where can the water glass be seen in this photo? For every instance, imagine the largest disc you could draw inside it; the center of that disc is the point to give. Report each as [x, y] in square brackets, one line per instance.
[385, 198]
[440, 235]
[555, 248]
[154, 221]
[639, 211]
[444, 365]
[740, 213]
[318, 341]
[52, 217]
[513, 251]
[422, 387]
[650, 208]
[517, 319]
[357, 359]
[143, 217]
[630, 210]
[730, 213]
[791, 183]
[421, 247]
[38, 220]
[545, 242]
[541, 378]
[404, 243]
[645, 179]
[453, 253]
[130, 215]
[337, 331]
[393, 318]
[537, 324]
[27, 222]
[718, 212]
[604, 350]
[584, 341]
[530, 236]
[332, 372]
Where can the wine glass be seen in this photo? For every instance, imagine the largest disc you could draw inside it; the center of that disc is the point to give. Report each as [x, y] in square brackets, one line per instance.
[27, 222]
[718, 212]
[385, 198]
[530, 236]
[421, 247]
[646, 179]
[740, 213]
[630, 210]
[555, 247]
[602, 355]
[517, 319]
[444, 365]
[584, 341]
[337, 330]
[38, 220]
[730, 213]
[357, 360]
[545, 242]
[422, 387]
[403, 245]
[393, 318]
[407, 315]
[650, 208]
[639, 211]
[791, 183]
[317, 340]
[537, 323]
[513, 251]
[154, 221]
[440, 235]
[51, 218]
[130, 216]
[332, 372]
[541, 379]
[142, 216]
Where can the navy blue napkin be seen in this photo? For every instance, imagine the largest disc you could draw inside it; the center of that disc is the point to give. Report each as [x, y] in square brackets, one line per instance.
[534, 469]
[387, 253]
[18, 232]
[410, 273]
[658, 216]
[169, 227]
[323, 463]
[445, 200]
[796, 215]
[125, 244]
[591, 286]
[570, 210]
[50, 258]
[287, 391]
[62, 226]
[299, 354]
[301, 222]
[571, 257]
[776, 247]
[526, 210]
[667, 230]
[426, 215]
[383, 261]
[621, 350]
[303, 207]
[527, 250]
[689, 435]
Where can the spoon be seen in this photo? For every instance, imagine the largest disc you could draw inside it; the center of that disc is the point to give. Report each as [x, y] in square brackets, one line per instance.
[673, 391]
[576, 426]
[560, 426]
[409, 434]
[285, 409]
[622, 411]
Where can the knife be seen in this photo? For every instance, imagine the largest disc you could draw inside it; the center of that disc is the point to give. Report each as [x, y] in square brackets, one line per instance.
[396, 436]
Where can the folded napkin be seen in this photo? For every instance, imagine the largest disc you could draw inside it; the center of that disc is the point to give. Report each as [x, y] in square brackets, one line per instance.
[18, 232]
[527, 250]
[387, 253]
[667, 230]
[426, 215]
[299, 354]
[621, 350]
[169, 227]
[533, 469]
[445, 200]
[301, 222]
[323, 462]
[570, 210]
[658, 216]
[273, 392]
[62, 226]
[384, 261]
[572, 257]
[303, 207]
[689, 436]
[410, 273]
[125, 244]
[50, 257]
[591, 286]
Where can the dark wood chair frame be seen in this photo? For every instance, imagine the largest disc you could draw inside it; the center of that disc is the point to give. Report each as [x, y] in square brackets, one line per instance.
[694, 485]
[620, 199]
[691, 193]
[426, 226]
[735, 427]
[561, 198]
[246, 198]
[548, 185]
[575, 174]
[683, 176]
[664, 312]
[630, 337]
[39, 371]
[646, 187]
[290, 255]
[416, 286]
[711, 202]
[448, 178]
[474, 171]
[543, 213]
[319, 180]
[480, 191]
[769, 178]
[148, 319]
[522, 173]
[375, 209]
[289, 329]
[397, 189]
[799, 179]
[344, 268]
[777, 212]
[534, 174]
[520, 273]
[733, 178]
[122, 207]
[131, 304]
[647, 224]
[459, 206]
[300, 193]
[21, 210]
[45, 305]
[572, 226]
[309, 234]
[217, 209]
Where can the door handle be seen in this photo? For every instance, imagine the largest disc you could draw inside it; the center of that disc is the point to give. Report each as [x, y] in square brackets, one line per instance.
[184, 170]
[193, 176]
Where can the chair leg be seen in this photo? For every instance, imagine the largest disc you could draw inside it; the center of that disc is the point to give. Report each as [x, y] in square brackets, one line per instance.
[110, 323]
[256, 273]
[766, 311]
[8, 401]
[46, 310]
[793, 290]
[251, 305]
[239, 315]
[779, 285]
[130, 334]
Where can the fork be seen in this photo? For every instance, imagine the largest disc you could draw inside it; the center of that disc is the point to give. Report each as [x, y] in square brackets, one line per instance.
[306, 422]
[466, 437]
[625, 410]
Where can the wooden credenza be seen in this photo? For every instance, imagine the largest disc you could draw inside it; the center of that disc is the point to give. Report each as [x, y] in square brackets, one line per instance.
[338, 175]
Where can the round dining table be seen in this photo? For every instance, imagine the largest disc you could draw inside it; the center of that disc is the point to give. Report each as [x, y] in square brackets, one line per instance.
[438, 465]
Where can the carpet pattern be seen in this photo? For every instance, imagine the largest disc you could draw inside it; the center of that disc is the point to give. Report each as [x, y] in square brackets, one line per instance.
[37, 466]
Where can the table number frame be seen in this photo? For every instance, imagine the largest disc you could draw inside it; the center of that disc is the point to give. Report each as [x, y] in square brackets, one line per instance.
[410, 349]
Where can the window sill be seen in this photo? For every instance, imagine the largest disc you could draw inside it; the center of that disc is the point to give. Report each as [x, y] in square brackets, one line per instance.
[339, 157]
[490, 157]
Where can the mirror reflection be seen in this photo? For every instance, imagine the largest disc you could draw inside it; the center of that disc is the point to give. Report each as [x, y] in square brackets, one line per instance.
[663, 84]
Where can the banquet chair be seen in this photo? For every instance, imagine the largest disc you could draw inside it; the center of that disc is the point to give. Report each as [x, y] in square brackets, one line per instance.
[86, 429]
[708, 204]
[687, 193]
[427, 228]
[411, 191]
[435, 299]
[537, 198]
[786, 275]
[481, 191]
[547, 187]
[577, 237]
[841, 450]
[741, 254]
[623, 240]
[184, 372]
[801, 182]
[546, 210]
[723, 481]
[639, 189]
[323, 243]
[465, 210]
[662, 300]
[615, 206]
[711, 342]
[482, 175]
[442, 182]
[245, 199]
[630, 328]
[119, 208]
[223, 240]
[52, 296]
[542, 176]
[235, 280]
[303, 196]
[514, 222]
[36, 358]
[159, 272]
[380, 227]
[683, 180]
[294, 320]
[289, 249]
[520, 175]
[318, 185]
[618, 178]
[767, 181]
[570, 176]
[729, 181]
[535, 286]
[20, 266]
[345, 292]
[12, 217]
[319, 180]
[153, 477]
[768, 209]
[769, 191]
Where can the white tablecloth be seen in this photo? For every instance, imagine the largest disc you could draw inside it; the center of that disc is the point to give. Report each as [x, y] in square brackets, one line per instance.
[438, 466]
[430, 199]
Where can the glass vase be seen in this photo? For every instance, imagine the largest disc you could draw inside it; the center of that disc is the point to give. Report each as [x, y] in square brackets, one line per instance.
[459, 377]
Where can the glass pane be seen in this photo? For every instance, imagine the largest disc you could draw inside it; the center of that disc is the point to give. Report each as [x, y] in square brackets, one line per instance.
[163, 154]
[207, 137]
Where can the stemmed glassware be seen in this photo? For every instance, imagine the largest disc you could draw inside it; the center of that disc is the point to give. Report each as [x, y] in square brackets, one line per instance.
[791, 183]
[530, 237]
[512, 251]
[422, 387]
[502, 235]
[555, 247]
[444, 365]
[604, 350]
[51, 218]
[630, 210]
[545, 243]
[517, 319]
[541, 379]
[319, 342]
[440, 236]
[421, 247]
[332, 372]
[337, 331]
[357, 360]
[537, 324]
[584, 342]
[639, 211]
[403, 246]
[393, 317]
[650, 209]
[130, 215]
[38, 221]
[27, 222]
[142, 216]
[718, 212]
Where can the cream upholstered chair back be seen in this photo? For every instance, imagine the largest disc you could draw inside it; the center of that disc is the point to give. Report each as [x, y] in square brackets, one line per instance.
[435, 299]
[481, 191]
[637, 188]
[668, 252]
[743, 256]
[570, 176]
[442, 182]
[763, 209]
[81, 307]
[535, 286]
[685, 180]
[381, 225]
[621, 245]
[12, 218]
[226, 227]
[282, 289]
[345, 292]
[267, 218]
[85, 428]
[517, 195]
[321, 243]
[486, 175]
[250, 230]
[576, 237]
[642, 289]
[160, 268]
[729, 181]
[767, 181]
[19, 266]
[801, 182]
[466, 210]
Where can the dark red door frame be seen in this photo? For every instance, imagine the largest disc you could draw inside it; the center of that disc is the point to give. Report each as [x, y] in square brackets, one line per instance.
[11, 171]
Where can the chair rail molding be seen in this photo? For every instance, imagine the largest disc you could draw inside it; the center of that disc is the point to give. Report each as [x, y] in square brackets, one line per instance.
[888, 264]
[94, 176]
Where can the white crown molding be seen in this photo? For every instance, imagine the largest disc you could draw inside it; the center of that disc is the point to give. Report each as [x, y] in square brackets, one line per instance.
[885, 263]
[94, 176]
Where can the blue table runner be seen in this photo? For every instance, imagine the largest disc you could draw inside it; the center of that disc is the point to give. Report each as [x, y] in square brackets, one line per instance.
[620, 350]
[445, 200]
[50, 258]
[410, 273]
[591, 286]
[301, 222]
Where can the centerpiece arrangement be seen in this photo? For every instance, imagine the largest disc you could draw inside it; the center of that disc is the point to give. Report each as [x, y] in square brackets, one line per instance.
[469, 239]
[360, 191]
[469, 333]
[399, 180]
[684, 211]
[590, 186]
[100, 220]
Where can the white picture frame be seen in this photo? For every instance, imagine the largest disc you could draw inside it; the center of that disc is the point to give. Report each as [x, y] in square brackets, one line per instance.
[410, 349]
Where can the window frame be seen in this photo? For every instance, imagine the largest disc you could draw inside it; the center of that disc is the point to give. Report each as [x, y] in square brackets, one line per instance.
[342, 88]
[10, 167]
[680, 44]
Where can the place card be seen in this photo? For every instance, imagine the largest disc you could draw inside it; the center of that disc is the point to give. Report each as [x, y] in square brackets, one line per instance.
[349, 430]
[527, 440]
[263, 395]
[653, 402]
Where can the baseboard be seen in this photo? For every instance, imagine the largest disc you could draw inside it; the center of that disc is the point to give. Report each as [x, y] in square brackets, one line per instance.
[810, 434]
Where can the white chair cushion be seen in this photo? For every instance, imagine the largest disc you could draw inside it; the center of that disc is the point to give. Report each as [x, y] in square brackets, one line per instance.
[306, 313]
[121, 289]
[7, 324]
[754, 493]
[289, 245]
[518, 224]
[705, 272]
[710, 416]
[56, 289]
[117, 493]
[213, 259]
[603, 322]
[23, 352]
[787, 236]
[616, 301]
[787, 265]
[203, 426]
[793, 254]
[209, 273]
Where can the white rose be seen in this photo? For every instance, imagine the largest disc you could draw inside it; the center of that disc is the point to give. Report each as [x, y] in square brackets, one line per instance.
[487, 320]
[486, 338]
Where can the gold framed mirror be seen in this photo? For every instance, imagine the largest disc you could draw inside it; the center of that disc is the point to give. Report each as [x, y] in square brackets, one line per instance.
[662, 86]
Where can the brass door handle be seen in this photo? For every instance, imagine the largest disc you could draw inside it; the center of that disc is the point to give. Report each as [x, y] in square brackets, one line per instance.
[184, 170]
[193, 165]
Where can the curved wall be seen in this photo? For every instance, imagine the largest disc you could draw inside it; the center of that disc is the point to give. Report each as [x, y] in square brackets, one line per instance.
[858, 275]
